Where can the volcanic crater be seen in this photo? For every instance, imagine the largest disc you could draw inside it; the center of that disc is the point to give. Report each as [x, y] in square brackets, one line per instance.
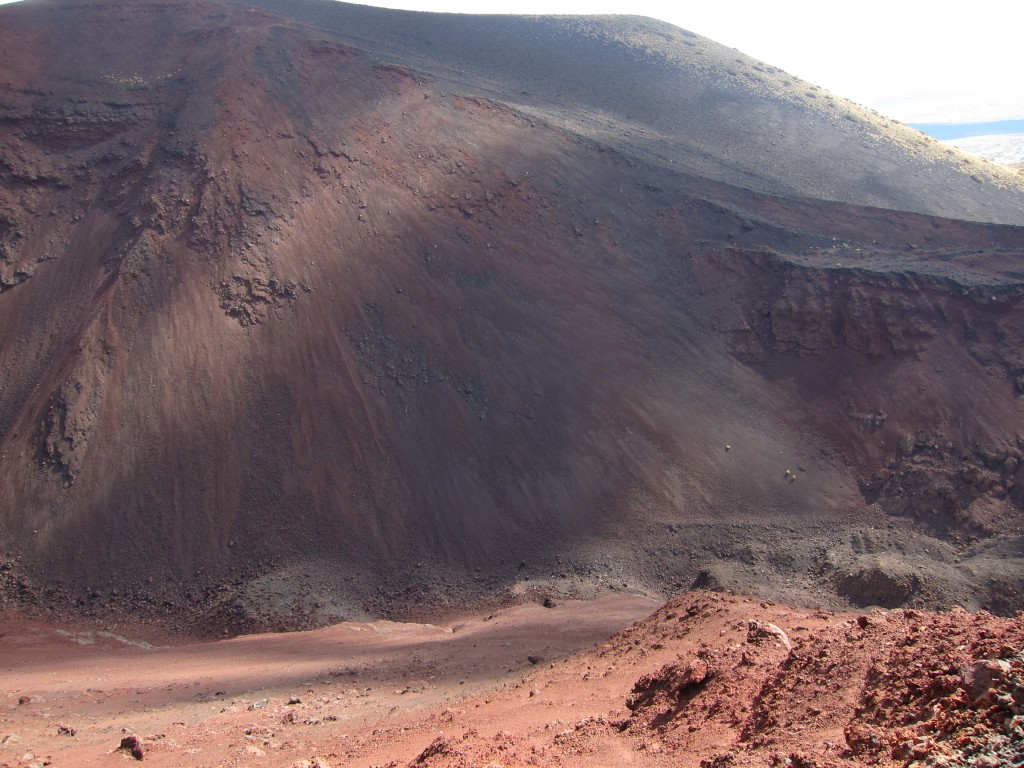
[316, 316]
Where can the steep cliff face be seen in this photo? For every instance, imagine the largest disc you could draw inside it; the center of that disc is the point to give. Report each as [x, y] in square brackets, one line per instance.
[923, 366]
[276, 304]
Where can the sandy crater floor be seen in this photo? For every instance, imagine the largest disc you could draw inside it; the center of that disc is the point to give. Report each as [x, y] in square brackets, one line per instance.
[707, 680]
[226, 702]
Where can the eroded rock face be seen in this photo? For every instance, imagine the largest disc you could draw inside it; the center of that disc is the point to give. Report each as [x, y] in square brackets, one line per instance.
[943, 689]
[669, 688]
[952, 487]
[857, 326]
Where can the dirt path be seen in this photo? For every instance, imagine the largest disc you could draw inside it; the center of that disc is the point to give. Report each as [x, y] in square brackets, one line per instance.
[705, 680]
[193, 704]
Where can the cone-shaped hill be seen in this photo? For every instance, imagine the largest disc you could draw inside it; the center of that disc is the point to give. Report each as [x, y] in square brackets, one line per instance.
[311, 310]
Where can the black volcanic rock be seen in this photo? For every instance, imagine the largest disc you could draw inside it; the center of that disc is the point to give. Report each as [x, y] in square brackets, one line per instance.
[312, 309]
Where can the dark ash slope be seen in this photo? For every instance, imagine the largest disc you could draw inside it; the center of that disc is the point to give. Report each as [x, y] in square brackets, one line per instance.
[316, 309]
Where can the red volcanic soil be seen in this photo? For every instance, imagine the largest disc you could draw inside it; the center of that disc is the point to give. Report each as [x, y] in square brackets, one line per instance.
[707, 680]
[305, 319]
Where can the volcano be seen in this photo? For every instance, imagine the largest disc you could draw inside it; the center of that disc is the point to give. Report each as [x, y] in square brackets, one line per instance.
[313, 311]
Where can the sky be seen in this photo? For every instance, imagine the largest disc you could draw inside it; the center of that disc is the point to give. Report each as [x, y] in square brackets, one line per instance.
[909, 59]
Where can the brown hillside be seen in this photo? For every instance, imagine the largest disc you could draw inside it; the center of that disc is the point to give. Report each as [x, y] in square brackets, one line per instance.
[314, 310]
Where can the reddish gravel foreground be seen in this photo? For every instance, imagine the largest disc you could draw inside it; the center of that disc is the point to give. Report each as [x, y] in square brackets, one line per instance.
[708, 680]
